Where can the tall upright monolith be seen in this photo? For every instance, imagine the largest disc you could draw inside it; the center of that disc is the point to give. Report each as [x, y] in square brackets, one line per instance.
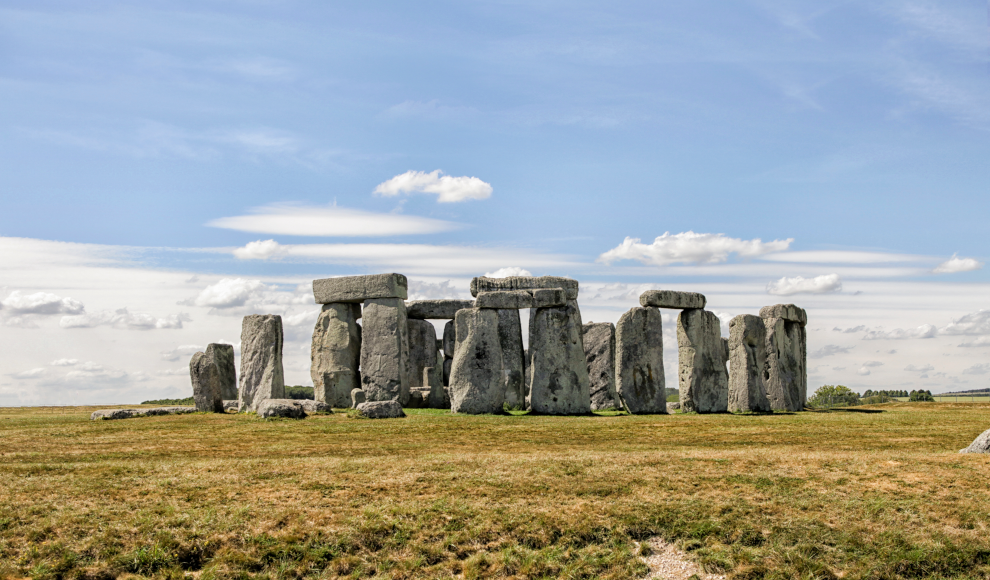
[477, 383]
[385, 364]
[599, 351]
[336, 354]
[558, 370]
[639, 374]
[262, 377]
[704, 383]
[513, 365]
[787, 356]
[747, 362]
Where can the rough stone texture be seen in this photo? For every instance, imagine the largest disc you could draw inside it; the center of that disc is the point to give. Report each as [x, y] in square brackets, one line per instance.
[449, 338]
[513, 362]
[504, 299]
[788, 312]
[285, 408]
[314, 407]
[979, 445]
[786, 370]
[599, 350]
[436, 309]
[436, 397]
[422, 350]
[223, 356]
[559, 382]
[360, 288]
[704, 383]
[448, 364]
[672, 299]
[671, 407]
[206, 383]
[747, 361]
[385, 365]
[381, 410]
[357, 397]
[417, 398]
[639, 375]
[129, 413]
[483, 284]
[336, 351]
[233, 405]
[476, 382]
[261, 360]
[725, 348]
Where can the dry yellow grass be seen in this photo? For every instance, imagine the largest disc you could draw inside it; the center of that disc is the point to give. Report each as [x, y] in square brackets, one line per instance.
[809, 495]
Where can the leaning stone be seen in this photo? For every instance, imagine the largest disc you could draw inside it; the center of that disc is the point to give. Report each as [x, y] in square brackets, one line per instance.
[747, 360]
[285, 408]
[449, 338]
[261, 360]
[436, 309]
[599, 350]
[788, 312]
[513, 362]
[476, 384]
[639, 374]
[483, 284]
[504, 299]
[422, 350]
[672, 299]
[559, 382]
[360, 288]
[206, 383]
[385, 364]
[786, 368]
[704, 384]
[223, 356]
[312, 407]
[357, 397]
[381, 410]
[979, 445]
[229, 406]
[336, 353]
[436, 397]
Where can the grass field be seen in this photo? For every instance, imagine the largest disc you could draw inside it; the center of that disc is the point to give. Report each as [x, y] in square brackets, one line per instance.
[808, 495]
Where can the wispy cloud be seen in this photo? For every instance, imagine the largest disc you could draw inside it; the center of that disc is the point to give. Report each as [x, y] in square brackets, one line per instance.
[330, 221]
[923, 331]
[829, 350]
[690, 247]
[823, 284]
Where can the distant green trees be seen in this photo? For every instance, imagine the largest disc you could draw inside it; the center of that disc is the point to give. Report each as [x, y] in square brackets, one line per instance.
[921, 396]
[828, 396]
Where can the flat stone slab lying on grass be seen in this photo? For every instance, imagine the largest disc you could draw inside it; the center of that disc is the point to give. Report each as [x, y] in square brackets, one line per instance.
[672, 299]
[979, 445]
[484, 284]
[436, 309]
[291, 408]
[360, 288]
[381, 410]
[129, 413]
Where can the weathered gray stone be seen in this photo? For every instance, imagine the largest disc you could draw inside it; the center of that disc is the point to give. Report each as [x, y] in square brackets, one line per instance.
[979, 445]
[448, 364]
[504, 299]
[747, 361]
[786, 370]
[599, 350]
[284, 408]
[449, 338]
[483, 284]
[360, 288]
[436, 397]
[357, 397]
[422, 350]
[559, 382]
[549, 297]
[417, 398]
[206, 383]
[725, 348]
[385, 364]
[671, 407]
[704, 383]
[223, 356]
[476, 382]
[788, 312]
[334, 388]
[513, 363]
[167, 411]
[110, 414]
[233, 405]
[336, 353]
[381, 410]
[261, 360]
[313, 407]
[639, 374]
[672, 299]
[436, 309]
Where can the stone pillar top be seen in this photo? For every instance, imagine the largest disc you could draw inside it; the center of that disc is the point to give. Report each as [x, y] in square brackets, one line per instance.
[483, 284]
[360, 288]
[785, 311]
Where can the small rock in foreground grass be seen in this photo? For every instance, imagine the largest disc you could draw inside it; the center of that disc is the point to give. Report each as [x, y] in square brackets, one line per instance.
[286, 408]
[381, 410]
[979, 445]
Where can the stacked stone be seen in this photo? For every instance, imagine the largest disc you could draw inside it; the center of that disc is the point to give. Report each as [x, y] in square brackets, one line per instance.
[787, 356]
[261, 360]
[429, 356]
[599, 350]
[213, 377]
[747, 361]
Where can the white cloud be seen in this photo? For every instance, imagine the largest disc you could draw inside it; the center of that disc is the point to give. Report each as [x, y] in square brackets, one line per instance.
[690, 247]
[851, 330]
[873, 363]
[42, 303]
[123, 318]
[921, 369]
[863, 371]
[980, 341]
[823, 284]
[64, 362]
[509, 271]
[829, 350]
[329, 221]
[228, 293]
[31, 374]
[259, 250]
[957, 264]
[923, 331]
[971, 324]
[180, 351]
[449, 189]
[978, 369]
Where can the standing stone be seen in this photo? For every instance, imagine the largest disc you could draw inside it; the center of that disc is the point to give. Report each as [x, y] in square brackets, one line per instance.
[513, 364]
[207, 383]
[639, 375]
[223, 356]
[559, 382]
[336, 352]
[747, 360]
[704, 384]
[357, 397]
[449, 338]
[786, 351]
[476, 380]
[599, 350]
[385, 364]
[422, 350]
[448, 364]
[261, 360]
[437, 397]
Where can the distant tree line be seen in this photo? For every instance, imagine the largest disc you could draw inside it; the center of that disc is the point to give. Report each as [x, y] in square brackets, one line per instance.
[919, 395]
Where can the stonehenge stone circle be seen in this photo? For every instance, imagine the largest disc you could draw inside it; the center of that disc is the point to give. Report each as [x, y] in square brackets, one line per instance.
[261, 360]
[484, 284]
[223, 355]
[599, 350]
[513, 361]
[979, 445]
[436, 309]
[747, 362]
[672, 299]
[381, 410]
[357, 397]
[360, 288]
[206, 383]
[422, 350]
[559, 382]
[336, 353]
[786, 346]
[476, 376]
[639, 374]
[385, 364]
[703, 381]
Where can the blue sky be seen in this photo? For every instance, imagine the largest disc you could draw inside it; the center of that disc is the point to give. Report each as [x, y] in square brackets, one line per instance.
[854, 134]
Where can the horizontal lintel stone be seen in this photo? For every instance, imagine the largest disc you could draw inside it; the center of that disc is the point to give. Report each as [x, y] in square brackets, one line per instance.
[360, 288]
[672, 299]
[484, 284]
[518, 299]
[436, 309]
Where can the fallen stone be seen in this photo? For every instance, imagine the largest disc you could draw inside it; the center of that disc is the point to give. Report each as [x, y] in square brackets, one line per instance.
[449, 338]
[476, 383]
[223, 356]
[360, 288]
[422, 350]
[513, 361]
[284, 408]
[314, 407]
[788, 312]
[559, 382]
[639, 373]
[671, 407]
[436, 309]
[381, 410]
[672, 299]
[599, 350]
[979, 445]
[785, 373]
[704, 383]
[747, 361]
[206, 383]
[336, 353]
[229, 406]
[357, 397]
[385, 365]
[110, 414]
[261, 360]
[154, 411]
[484, 284]
[436, 397]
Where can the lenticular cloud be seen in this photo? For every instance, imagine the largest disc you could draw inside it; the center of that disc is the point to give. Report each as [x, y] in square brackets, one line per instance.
[799, 285]
[448, 188]
[957, 264]
[690, 247]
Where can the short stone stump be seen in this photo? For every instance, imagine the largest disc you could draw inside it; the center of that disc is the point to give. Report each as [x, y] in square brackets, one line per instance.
[381, 410]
